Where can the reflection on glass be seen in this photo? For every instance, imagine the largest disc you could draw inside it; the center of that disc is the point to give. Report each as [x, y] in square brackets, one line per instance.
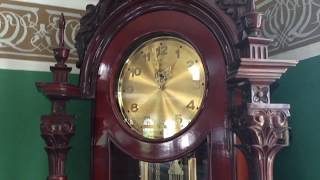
[184, 123]
[182, 169]
[195, 72]
[170, 128]
[148, 127]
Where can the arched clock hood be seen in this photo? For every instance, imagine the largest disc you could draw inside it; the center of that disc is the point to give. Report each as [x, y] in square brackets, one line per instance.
[108, 16]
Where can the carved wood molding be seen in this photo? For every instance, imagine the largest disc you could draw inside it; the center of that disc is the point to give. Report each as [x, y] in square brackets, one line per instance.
[263, 131]
[235, 9]
[90, 22]
[57, 131]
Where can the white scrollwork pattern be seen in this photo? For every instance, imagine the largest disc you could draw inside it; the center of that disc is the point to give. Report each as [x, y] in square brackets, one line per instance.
[32, 31]
[292, 23]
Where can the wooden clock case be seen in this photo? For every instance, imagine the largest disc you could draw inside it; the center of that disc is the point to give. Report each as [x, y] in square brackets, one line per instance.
[126, 24]
[236, 115]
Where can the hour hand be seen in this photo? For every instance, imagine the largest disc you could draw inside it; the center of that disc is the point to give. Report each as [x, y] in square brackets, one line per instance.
[167, 72]
[162, 77]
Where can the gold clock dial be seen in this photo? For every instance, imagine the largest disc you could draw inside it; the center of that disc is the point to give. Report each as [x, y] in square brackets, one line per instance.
[161, 87]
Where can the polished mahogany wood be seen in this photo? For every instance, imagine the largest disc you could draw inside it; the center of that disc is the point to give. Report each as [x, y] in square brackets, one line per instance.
[114, 27]
[261, 126]
[126, 23]
[58, 127]
[210, 123]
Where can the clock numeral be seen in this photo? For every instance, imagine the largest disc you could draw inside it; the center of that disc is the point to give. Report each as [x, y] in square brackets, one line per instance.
[162, 50]
[179, 118]
[134, 107]
[178, 53]
[147, 57]
[135, 72]
[191, 105]
[182, 122]
[190, 63]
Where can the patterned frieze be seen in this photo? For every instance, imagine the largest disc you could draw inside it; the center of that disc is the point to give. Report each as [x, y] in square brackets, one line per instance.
[291, 23]
[30, 31]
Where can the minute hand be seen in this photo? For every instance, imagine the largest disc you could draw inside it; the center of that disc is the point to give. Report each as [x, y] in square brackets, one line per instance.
[163, 76]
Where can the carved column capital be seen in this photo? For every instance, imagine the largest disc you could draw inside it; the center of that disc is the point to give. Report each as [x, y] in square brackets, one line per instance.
[263, 131]
[263, 125]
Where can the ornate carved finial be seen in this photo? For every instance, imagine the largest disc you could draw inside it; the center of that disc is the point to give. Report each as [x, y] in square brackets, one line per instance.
[252, 20]
[62, 26]
[61, 54]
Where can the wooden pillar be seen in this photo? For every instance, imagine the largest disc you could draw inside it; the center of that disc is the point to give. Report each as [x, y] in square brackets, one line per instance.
[261, 125]
[57, 128]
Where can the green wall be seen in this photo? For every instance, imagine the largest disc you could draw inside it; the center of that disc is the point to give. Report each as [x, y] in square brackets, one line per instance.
[22, 156]
[300, 87]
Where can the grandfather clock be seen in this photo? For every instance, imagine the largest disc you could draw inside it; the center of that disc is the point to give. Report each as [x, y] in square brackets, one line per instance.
[163, 75]
[157, 71]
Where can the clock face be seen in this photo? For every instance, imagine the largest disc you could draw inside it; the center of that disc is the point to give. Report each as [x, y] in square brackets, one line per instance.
[161, 87]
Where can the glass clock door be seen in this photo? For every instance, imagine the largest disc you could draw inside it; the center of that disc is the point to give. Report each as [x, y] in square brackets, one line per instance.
[192, 167]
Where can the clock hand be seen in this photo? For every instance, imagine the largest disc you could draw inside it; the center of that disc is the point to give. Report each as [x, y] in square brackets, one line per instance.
[168, 70]
[160, 77]
[156, 63]
[163, 76]
[156, 66]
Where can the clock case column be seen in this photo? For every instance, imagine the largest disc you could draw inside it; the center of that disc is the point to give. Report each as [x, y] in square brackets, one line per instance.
[57, 128]
[261, 126]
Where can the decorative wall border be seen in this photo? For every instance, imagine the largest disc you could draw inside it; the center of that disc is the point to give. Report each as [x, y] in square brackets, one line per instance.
[291, 23]
[29, 31]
